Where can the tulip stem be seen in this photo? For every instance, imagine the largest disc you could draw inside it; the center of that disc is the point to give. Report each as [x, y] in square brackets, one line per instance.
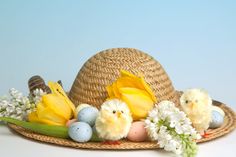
[44, 129]
[49, 130]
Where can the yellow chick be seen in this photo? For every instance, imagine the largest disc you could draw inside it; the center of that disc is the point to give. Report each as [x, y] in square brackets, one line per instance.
[197, 104]
[114, 120]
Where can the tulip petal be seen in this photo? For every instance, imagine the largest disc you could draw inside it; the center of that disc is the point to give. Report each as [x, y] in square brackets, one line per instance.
[58, 90]
[125, 73]
[55, 108]
[148, 89]
[129, 82]
[135, 92]
[57, 105]
[130, 90]
[113, 91]
[46, 114]
[138, 101]
[127, 79]
[33, 117]
[116, 90]
[110, 91]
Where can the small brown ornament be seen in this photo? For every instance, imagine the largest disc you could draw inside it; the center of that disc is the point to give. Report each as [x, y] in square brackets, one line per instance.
[37, 82]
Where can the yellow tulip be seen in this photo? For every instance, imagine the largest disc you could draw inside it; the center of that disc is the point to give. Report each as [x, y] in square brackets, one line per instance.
[135, 92]
[54, 108]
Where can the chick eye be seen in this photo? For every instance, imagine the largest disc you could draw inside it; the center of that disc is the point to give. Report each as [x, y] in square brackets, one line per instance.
[186, 101]
[196, 101]
[114, 112]
[122, 111]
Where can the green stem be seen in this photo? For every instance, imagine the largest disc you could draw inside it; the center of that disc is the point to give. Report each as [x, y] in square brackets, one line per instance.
[49, 130]
[44, 129]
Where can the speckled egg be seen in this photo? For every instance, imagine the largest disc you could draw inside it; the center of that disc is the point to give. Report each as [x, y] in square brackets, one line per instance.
[137, 132]
[69, 122]
[218, 109]
[80, 107]
[217, 120]
[80, 132]
[88, 115]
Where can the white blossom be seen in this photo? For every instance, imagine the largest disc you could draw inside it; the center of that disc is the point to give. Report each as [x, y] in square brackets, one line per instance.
[16, 105]
[171, 128]
[38, 93]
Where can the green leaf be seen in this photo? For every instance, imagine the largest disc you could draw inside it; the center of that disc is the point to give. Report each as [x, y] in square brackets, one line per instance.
[44, 129]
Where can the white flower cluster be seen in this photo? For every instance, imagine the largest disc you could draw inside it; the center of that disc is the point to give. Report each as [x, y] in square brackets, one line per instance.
[173, 131]
[38, 93]
[16, 106]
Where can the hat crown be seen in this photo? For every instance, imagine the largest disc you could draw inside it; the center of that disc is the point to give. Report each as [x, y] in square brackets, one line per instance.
[104, 68]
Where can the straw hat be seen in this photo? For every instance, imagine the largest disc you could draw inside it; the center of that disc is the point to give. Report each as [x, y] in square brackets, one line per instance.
[102, 70]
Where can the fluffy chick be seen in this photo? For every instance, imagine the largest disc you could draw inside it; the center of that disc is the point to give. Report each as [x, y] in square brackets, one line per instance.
[197, 104]
[114, 120]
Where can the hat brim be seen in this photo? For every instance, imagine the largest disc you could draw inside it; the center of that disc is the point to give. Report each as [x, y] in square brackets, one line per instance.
[228, 126]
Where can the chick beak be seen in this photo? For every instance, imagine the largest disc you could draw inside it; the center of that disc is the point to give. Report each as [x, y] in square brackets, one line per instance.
[118, 114]
[192, 106]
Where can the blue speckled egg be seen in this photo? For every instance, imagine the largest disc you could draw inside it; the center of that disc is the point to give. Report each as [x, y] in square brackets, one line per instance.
[80, 107]
[217, 120]
[88, 115]
[80, 132]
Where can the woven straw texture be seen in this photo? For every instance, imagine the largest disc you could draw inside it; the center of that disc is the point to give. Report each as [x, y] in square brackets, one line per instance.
[228, 126]
[104, 68]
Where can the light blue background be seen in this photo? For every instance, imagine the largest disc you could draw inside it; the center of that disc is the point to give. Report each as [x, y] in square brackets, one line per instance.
[194, 40]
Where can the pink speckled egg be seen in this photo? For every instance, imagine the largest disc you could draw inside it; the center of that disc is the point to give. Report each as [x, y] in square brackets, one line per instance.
[137, 132]
[69, 122]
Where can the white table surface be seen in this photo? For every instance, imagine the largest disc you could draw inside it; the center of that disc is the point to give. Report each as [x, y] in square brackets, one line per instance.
[12, 145]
